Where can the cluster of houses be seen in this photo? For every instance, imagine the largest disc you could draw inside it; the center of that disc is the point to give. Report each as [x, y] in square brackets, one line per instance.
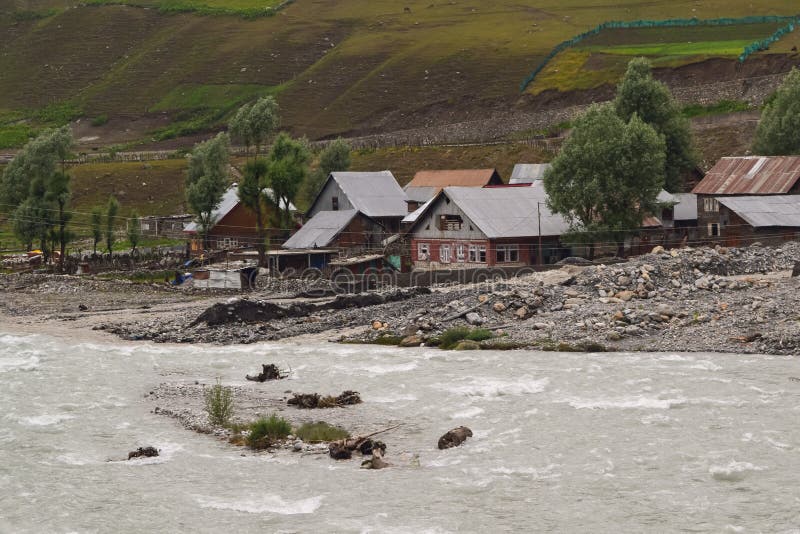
[471, 218]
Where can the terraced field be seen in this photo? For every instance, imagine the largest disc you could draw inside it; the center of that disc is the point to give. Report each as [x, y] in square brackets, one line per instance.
[337, 68]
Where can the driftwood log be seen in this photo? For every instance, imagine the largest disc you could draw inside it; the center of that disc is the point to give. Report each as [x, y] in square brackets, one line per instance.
[268, 372]
[455, 437]
[315, 400]
[143, 452]
[343, 449]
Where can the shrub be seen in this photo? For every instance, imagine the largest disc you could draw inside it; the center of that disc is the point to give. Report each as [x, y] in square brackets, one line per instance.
[388, 339]
[480, 334]
[266, 430]
[452, 336]
[320, 431]
[100, 120]
[219, 404]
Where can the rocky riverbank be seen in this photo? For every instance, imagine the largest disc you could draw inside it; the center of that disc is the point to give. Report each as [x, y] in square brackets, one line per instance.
[739, 300]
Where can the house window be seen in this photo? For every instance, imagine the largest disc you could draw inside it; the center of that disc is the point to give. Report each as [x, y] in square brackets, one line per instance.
[423, 251]
[460, 253]
[713, 229]
[473, 254]
[444, 254]
[335, 203]
[482, 254]
[145, 226]
[710, 205]
[507, 253]
[450, 223]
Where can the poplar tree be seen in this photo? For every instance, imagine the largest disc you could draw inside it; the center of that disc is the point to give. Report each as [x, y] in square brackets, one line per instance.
[207, 180]
[112, 208]
[288, 167]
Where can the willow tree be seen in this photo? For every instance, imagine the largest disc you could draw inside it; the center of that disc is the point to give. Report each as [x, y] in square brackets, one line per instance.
[207, 180]
[255, 123]
[288, 167]
[608, 175]
[640, 94]
[251, 194]
[778, 131]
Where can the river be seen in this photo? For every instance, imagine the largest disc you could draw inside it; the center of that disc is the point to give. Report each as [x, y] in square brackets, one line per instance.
[563, 442]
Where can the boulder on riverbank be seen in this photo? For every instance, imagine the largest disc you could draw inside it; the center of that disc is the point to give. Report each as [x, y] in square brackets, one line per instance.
[143, 452]
[455, 437]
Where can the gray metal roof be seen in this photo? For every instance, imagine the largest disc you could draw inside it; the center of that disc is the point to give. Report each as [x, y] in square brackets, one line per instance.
[421, 194]
[414, 215]
[666, 198]
[501, 212]
[230, 199]
[375, 194]
[321, 229]
[686, 207]
[526, 173]
[762, 211]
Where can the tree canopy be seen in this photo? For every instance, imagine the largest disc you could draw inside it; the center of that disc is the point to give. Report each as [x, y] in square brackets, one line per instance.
[112, 208]
[255, 123]
[608, 174]
[207, 179]
[778, 131]
[251, 195]
[288, 167]
[334, 158]
[640, 94]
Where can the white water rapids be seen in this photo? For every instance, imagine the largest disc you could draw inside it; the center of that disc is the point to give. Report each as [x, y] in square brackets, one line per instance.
[563, 442]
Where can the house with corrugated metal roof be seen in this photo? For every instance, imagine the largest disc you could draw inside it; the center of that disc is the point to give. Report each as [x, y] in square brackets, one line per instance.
[471, 227]
[354, 211]
[426, 184]
[528, 173]
[749, 178]
[234, 225]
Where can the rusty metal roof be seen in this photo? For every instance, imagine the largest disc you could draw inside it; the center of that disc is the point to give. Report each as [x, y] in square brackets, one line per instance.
[751, 175]
[461, 178]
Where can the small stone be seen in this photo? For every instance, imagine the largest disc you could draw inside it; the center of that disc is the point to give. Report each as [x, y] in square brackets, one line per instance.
[522, 312]
[625, 296]
[376, 325]
[467, 345]
[573, 302]
[411, 341]
[613, 336]
[483, 298]
[499, 307]
[474, 319]
[657, 250]
[298, 446]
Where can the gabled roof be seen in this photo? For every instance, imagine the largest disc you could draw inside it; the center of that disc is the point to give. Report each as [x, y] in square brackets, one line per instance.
[525, 173]
[458, 177]
[230, 199]
[765, 211]
[686, 207]
[414, 215]
[375, 194]
[321, 230]
[502, 212]
[751, 175]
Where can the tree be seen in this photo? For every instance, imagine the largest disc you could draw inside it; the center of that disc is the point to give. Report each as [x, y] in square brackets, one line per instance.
[288, 167]
[255, 123]
[32, 183]
[58, 192]
[134, 231]
[640, 94]
[264, 120]
[607, 176]
[778, 132]
[112, 208]
[251, 195]
[207, 180]
[97, 227]
[334, 158]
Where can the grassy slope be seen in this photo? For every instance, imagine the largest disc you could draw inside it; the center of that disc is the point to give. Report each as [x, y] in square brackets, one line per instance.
[337, 67]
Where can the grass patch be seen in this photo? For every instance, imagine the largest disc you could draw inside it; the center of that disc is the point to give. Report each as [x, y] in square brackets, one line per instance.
[219, 404]
[100, 120]
[249, 9]
[24, 15]
[15, 135]
[265, 431]
[549, 345]
[452, 337]
[720, 108]
[503, 345]
[388, 340]
[320, 431]
[715, 48]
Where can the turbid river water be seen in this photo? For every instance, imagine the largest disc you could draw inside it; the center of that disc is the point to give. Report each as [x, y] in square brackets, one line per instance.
[563, 442]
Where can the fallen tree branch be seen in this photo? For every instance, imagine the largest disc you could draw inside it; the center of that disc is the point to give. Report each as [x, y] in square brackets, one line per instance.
[463, 313]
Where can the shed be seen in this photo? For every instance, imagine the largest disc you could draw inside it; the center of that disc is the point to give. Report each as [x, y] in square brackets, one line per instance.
[527, 173]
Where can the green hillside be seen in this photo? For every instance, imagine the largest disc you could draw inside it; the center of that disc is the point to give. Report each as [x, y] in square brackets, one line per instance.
[343, 67]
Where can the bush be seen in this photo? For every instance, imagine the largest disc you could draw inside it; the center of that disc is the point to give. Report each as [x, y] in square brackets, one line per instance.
[480, 334]
[100, 120]
[219, 404]
[266, 430]
[452, 336]
[320, 431]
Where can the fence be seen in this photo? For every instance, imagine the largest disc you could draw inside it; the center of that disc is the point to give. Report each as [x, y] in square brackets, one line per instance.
[669, 23]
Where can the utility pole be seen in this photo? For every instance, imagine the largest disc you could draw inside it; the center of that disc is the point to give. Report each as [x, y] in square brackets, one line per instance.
[539, 216]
